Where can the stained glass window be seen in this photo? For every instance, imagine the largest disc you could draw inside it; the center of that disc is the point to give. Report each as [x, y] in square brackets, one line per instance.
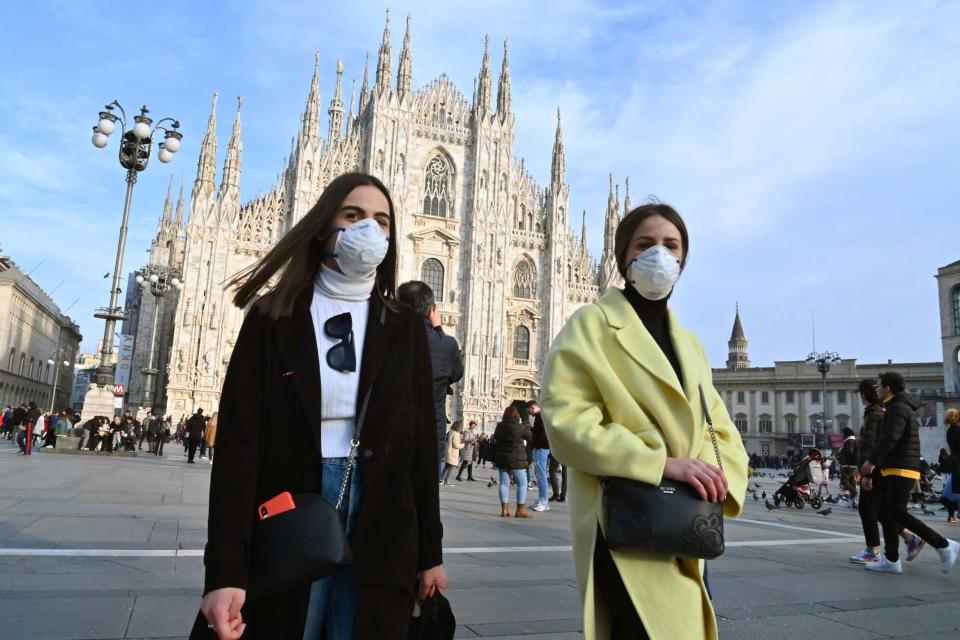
[436, 189]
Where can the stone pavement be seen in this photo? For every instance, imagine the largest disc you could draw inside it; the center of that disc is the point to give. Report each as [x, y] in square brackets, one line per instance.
[101, 548]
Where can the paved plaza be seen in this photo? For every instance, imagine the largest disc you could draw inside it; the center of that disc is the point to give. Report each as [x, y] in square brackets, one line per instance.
[100, 548]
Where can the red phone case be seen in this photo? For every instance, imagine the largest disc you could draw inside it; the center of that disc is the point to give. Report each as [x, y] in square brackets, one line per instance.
[276, 505]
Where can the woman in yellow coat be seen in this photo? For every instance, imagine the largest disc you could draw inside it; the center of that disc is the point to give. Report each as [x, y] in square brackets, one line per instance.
[621, 398]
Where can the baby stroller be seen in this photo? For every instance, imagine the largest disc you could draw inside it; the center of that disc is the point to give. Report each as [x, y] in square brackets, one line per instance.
[796, 490]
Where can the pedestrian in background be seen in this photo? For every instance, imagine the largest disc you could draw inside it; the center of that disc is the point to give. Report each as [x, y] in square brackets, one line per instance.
[451, 456]
[951, 466]
[470, 452]
[445, 355]
[897, 455]
[512, 437]
[540, 445]
[195, 427]
[210, 435]
[849, 466]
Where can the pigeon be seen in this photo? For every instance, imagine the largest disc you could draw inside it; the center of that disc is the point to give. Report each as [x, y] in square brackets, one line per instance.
[763, 495]
[770, 507]
[755, 496]
[830, 499]
[490, 484]
[825, 512]
[927, 512]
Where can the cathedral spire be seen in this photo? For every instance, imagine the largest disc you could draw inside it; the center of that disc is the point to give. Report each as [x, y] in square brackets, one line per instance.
[167, 216]
[231, 163]
[503, 88]
[179, 220]
[481, 102]
[738, 357]
[310, 125]
[365, 87]
[405, 69]
[206, 168]
[558, 167]
[583, 232]
[350, 114]
[335, 113]
[627, 205]
[609, 274]
[383, 61]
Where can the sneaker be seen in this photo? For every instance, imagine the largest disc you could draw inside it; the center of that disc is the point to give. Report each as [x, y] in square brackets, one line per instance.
[951, 519]
[948, 555]
[885, 566]
[541, 507]
[914, 547]
[449, 484]
[865, 557]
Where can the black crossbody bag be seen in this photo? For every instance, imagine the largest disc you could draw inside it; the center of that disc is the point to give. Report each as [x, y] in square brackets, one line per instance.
[669, 519]
[294, 548]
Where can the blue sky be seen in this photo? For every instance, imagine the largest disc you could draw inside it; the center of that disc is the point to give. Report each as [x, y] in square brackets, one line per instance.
[811, 146]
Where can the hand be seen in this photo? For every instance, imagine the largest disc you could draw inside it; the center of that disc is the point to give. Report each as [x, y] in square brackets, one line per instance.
[431, 581]
[866, 483]
[705, 478]
[866, 469]
[221, 608]
[434, 316]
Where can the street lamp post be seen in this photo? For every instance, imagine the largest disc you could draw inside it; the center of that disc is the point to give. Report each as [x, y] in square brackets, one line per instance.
[56, 372]
[158, 281]
[823, 362]
[135, 146]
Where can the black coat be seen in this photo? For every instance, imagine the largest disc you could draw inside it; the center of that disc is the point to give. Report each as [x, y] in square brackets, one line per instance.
[539, 433]
[268, 441]
[446, 363]
[511, 445]
[867, 440]
[953, 443]
[898, 441]
[196, 424]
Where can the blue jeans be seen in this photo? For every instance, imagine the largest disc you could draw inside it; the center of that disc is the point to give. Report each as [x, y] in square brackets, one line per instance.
[519, 479]
[333, 600]
[540, 459]
[950, 489]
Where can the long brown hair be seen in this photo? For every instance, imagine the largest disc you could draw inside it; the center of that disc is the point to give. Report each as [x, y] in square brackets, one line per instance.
[298, 255]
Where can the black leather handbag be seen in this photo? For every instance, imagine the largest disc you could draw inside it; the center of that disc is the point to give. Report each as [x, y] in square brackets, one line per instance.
[294, 548]
[669, 519]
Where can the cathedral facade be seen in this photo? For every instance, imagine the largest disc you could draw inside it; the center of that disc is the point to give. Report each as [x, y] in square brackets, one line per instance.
[496, 247]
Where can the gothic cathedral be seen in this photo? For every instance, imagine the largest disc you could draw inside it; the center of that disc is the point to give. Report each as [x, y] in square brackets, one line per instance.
[496, 248]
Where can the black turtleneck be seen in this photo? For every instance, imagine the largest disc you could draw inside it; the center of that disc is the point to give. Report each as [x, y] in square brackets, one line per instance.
[653, 314]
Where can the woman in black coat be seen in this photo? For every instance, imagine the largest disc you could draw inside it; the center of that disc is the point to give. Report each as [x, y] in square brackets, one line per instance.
[510, 456]
[274, 425]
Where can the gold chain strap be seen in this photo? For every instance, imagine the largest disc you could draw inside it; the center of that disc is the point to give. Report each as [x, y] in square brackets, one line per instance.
[713, 433]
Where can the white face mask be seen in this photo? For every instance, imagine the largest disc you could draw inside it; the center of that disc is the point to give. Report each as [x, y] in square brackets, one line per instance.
[360, 248]
[654, 272]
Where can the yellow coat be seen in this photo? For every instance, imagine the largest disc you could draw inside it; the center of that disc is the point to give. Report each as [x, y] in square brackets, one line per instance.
[613, 406]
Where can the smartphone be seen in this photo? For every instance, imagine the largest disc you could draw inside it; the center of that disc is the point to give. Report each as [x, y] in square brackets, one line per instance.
[276, 505]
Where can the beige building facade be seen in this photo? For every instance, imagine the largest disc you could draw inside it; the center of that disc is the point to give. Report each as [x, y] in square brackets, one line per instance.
[34, 332]
[784, 408]
[948, 286]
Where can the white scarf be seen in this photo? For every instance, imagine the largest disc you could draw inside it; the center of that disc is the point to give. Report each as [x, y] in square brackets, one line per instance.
[333, 284]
